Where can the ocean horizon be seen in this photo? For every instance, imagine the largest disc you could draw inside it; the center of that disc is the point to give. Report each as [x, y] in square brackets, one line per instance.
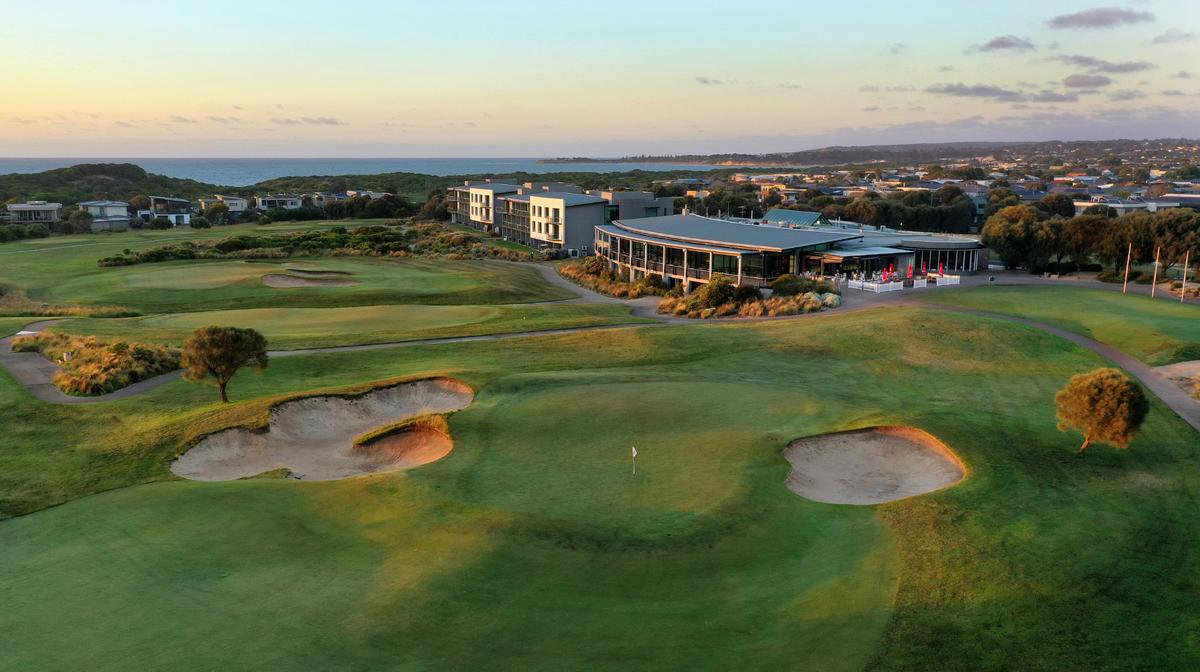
[240, 172]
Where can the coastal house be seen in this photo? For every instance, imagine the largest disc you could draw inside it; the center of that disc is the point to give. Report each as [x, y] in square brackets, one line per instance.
[320, 199]
[175, 211]
[280, 201]
[236, 204]
[107, 215]
[35, 212]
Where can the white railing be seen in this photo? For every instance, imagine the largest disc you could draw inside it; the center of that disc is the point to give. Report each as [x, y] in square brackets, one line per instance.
[919, 283]
[949, 280]
[876, 287]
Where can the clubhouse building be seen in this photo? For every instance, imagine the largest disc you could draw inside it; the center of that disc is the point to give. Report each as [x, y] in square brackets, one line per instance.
[691, 249]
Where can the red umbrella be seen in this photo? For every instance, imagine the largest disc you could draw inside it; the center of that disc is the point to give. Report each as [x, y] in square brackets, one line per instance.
[941, 269]
[910, 271]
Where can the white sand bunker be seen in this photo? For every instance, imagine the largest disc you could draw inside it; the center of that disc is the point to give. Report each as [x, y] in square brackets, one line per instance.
[869, 466]
[314, 437]
[295, 278]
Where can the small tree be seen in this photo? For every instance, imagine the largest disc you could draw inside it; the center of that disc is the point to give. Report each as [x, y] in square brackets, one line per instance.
[1103, 405]
[219, 352]
[79, 221]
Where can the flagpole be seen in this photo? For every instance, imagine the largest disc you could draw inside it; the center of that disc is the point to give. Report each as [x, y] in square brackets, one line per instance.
[1183, 287]
[1128, 259]
[1154, 282]
[633, 459]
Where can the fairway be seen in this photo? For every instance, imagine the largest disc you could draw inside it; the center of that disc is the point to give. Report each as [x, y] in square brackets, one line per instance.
[294, 328]
[532, 545]
[1156, 331]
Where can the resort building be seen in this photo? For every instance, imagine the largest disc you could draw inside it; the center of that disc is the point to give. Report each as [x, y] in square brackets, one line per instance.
[274, 201]
[692, 249]
[635, 204]
[35, 212]
[552, 219]
[176, 211]
[476, 204]
[107, 215]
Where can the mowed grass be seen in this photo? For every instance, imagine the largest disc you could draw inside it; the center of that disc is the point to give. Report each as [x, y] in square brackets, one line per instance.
[1155, 331]
[63, 270]
[294, 328]
[533, 547]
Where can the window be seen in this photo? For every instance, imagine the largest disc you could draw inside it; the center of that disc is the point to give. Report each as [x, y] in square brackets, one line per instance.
[725, 263]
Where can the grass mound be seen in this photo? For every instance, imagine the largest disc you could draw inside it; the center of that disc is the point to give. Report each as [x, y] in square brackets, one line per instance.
[92, 366]
[593, 274]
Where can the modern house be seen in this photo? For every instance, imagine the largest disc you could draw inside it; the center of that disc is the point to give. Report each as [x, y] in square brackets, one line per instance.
[1123, 206]
[107, 215]
[273, 201]
[35, 212]
[320, 199]
[476, 204]
[176, 211]
[691, 249]
[236, 204]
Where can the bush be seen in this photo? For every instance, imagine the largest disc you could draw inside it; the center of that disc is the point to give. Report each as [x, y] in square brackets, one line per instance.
[788, 284]
[713, 293]
[744, 293]
[200, 222]
[37, 230]
[91, 366]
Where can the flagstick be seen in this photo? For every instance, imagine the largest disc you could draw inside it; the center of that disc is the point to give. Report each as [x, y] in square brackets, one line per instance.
[1128, 259]
[1154, 282]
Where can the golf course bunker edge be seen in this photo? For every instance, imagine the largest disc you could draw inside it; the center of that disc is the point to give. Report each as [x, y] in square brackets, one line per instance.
[314, 437]
[871, 465]
[301, 278]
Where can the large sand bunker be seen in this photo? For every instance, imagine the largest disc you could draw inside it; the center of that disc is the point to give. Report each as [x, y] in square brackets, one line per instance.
[295, 278]
[314, 437]
[869, 466]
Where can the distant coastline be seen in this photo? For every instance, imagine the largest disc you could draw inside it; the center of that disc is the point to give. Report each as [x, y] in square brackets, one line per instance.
[671, 162]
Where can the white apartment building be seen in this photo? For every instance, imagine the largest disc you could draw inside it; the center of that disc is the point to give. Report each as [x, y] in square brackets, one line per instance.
[475, 204]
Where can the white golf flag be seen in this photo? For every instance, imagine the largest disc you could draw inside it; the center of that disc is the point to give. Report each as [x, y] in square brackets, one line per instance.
[634, 451]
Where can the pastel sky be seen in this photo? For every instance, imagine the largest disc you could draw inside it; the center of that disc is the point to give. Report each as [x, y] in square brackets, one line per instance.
[225, 78]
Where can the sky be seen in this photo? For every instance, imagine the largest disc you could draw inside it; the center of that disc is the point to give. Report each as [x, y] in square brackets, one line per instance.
[471, 78]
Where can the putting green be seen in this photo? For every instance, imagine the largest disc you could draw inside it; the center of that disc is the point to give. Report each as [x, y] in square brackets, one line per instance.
[205, 285]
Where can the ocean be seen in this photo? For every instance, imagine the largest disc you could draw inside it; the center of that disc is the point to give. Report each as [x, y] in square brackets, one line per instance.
[242, 172]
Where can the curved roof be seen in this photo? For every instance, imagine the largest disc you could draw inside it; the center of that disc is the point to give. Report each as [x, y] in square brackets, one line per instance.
[696, 229]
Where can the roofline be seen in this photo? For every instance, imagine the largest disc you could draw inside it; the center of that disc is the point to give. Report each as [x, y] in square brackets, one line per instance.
[740, 246]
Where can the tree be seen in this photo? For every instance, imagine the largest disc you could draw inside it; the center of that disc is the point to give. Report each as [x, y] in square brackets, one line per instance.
[200, 222]
[1011, 233]
[217, 213]
[1176, 230]
[1058, 204]
[1103, 405]
[947, 194]
[862, 210]
[218, 352]
[998, 199]
[79, 221]
[139, 202]
[1079, 236]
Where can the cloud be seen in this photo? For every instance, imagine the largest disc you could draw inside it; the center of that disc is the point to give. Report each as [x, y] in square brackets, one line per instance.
[1099, 17]
[1004, 43]
[960, 90]
[176, 119]
[869, 88]
[895, 48]
[1047, 96]
[21, 120]
[1086, 81]
[873, 108]
[1173, 92]
[285, 122]
[790, 86]
[323, 121]
[125, 124]
[239, 108]
[1101, 65]
[1174, 36]
[1182, 74]
[708, 81]
[945, 68]
[224, 120]
[900, 89]
[1126, 94]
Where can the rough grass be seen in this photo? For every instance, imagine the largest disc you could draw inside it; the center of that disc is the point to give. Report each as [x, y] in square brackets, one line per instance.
[435, 422]
[1156, 331]
[91, 366]
[291, 328]
[533, 547]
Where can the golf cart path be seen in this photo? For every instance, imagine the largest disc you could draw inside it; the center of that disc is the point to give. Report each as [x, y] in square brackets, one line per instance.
[35, 372]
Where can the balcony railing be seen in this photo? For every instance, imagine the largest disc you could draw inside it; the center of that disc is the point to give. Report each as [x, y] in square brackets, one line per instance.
[698, 273]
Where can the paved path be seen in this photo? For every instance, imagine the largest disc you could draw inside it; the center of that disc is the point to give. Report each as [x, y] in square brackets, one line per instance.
[35, 372]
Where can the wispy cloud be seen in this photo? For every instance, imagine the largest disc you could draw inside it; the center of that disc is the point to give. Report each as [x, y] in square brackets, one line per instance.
[125, 124]
[945, 68]
[1182, 74]
[1126, 94]
[1087, 81]
[1174, 36]
[1099, 17]
[790, 85]
[176, 119]
[1101, 65]
[873, 108]
[1004, 43]
[1173, 92]
[708, 81]
[224, 120]
[1047, 96]
[869, 88]
[312, 121]
[895, 48]
[960, 90]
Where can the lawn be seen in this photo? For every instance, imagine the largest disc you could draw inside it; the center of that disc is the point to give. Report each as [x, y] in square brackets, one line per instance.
[63, 270]
[293, 328]
[1156, 331]
[533, 547]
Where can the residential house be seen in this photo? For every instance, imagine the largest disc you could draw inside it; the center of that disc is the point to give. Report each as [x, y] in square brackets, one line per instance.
[107, 215]
[273, 201]
[35, 212]
[176, 211]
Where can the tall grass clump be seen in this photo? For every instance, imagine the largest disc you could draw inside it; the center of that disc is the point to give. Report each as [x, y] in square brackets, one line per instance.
[92, 366]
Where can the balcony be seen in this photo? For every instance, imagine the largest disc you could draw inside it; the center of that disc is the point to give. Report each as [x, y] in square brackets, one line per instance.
[698, 273]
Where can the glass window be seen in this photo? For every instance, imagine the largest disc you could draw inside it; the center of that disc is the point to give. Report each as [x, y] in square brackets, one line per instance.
[725, 263]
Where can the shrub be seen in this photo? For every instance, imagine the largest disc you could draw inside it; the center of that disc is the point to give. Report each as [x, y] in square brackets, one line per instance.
[713, 293]
[788, 284]
[200, 222]
[92, 366]
[744, 293]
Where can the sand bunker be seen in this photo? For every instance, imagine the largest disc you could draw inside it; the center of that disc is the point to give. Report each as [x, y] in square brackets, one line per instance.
[309, 279]
[314, 437]
[1184, 374]
[869, 466]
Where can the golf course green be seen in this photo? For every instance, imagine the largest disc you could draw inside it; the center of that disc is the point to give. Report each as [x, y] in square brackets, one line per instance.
[534, 545]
